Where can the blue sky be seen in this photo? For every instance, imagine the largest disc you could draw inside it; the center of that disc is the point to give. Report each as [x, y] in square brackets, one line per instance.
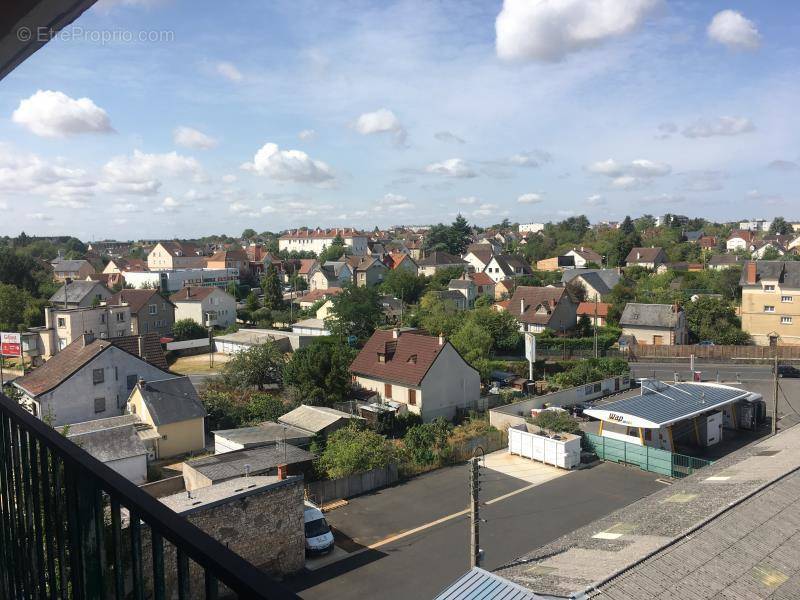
[287, 113]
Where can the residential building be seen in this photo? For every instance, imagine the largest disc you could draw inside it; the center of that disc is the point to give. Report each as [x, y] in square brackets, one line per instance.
[656, 324]
[504, 288]
[64, 269]
[531, 227]
[172, 281]
[556, 263]
[316, 420]
[89, 379]
[479, 256]
[316, 240]
[167, 256]
[392, 308]
[724, 261]
[310, 327]
[755, 225]
[708, 242]
[466, 288]
[484, 285]
[333, 274]
[596, 312]
[693, 237]
[455, 297]
[263, 434]
[172, 409]
[121, 265]
[80, 294]
[62, 326]
[306, 268]
[314, 296]
[649, 258]
[437, 260]
[367, 270]
[150, 312]
[739, 240]
[424, 374]
[770, 309]
[507, 266]
[540, 308]
[582, 256]
[208, 306]
[760, 249]
[231, 258]
[598, 283]
[397, 260]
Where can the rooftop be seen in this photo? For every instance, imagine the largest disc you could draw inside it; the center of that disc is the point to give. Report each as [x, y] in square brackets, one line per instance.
[263, 433]
[76, 291]
[231, 465]
[313, 419]
[136, 299]
[222, 492]
[171, 400]
[107, 439]
[649, 315]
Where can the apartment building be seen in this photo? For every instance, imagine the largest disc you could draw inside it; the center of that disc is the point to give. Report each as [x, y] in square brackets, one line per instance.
[150, 311]
[316, 240]
[65, 325]
[205, 305]
[175, 255]
[771, 302]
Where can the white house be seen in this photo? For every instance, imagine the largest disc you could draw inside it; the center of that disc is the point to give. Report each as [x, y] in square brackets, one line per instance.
[208, 306]
[316, 240]
[424, 374]
[531, 227]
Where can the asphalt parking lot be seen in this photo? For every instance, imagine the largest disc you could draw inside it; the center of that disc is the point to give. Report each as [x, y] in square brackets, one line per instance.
[411, 540]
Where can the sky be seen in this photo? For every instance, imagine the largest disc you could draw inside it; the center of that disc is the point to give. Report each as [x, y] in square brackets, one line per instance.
[182, 118]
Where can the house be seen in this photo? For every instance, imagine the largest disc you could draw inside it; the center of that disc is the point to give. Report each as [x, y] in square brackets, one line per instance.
[392, 308]
[150, 312]
[598, 283]
[760, 249]
[531, 227]
[708, 242]
[596, 312]
[172, 409]
[263, 434]
[556, 263]
[79, 294]
[679, 266]
[540, 308]
[89, 379]
[755, 225]
[770, 301]
[317, 240]
[172, 281]
[167, 256]
[115, 442]
[479, 256]
[582, 256]
[310, 327]
[649, 258]
[367, 270]
[739, 240]
[316, 420]
[415, 247]
[397, 260]
[333, 274]
[423, 373]
[484, 285]
[507, 266]
[437, 260]
[64, 269]
[249, 462]
[232, 258]
[455, 297]
[656, 324]
[466, 288]
[724, 261]
[307, 267]
[62, 326]
[208, 306]
[120, 265]
[504, 288]
[314, 296]
[693, 237]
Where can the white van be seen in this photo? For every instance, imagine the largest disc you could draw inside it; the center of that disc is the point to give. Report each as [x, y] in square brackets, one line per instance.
[319, 538]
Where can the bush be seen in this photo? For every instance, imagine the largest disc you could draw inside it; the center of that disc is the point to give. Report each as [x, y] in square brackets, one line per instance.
[188, 329]
[556, 421]
[589, 370]
[352, 450]
[425, 443]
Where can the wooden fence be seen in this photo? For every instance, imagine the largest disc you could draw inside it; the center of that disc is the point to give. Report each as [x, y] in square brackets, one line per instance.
[715, 352]
[326, 490]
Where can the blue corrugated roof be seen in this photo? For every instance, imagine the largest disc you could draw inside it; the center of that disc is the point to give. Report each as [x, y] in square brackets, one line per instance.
[666, 403]
[477, 584]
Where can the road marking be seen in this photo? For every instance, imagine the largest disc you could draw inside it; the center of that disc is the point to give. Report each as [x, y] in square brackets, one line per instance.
[514, 493]
[605, 535]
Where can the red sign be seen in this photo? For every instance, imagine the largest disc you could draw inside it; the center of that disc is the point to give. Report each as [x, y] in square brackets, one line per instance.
[10, 344]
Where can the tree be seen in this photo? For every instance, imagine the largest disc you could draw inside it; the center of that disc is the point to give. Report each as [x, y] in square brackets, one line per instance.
[356, 311]
[255, 367]
[188, 329]
[425, 442]
[403, 284]
[439, 316]
[584, 326]
[502, 326]
[453, 238]
[251, 302]
[590, 370]
[557, 421]
[714, 319]
[333, 252]
[249, 234]
[472, 341]
[354, 450]
[779, 226]
[13, 305]
[320, 373]
[271, 288]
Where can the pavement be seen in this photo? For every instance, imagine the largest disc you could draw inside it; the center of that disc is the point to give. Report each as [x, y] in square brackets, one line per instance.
[412, 540]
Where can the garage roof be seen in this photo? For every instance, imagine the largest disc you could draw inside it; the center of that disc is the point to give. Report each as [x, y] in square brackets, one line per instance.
[660, 404]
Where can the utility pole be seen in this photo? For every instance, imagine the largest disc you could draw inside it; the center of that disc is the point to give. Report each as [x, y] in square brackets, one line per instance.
[775, 396]
[595, 325]
[474, 513]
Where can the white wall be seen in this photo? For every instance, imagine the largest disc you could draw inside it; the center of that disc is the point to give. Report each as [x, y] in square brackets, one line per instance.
[133, 468]
[450, 384]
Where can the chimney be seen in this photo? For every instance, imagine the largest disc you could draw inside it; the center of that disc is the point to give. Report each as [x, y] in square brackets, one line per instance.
[88, 338]
[750, 272]
[521, 305]
[282, 472]
[395, 333]
[140, 340]
[48, 318]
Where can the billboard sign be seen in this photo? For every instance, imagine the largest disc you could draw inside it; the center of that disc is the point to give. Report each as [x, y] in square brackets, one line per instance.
[530, 347]
[10, 344]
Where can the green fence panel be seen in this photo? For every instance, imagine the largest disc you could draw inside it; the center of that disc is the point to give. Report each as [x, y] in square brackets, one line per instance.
[646, 458]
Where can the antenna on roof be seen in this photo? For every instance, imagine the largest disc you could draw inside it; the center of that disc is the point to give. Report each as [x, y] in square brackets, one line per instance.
[247, 470]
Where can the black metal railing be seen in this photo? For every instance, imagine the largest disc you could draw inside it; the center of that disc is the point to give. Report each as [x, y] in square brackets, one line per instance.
[71, 527]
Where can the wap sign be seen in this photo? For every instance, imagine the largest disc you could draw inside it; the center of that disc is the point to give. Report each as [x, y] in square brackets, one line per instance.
[10, 344]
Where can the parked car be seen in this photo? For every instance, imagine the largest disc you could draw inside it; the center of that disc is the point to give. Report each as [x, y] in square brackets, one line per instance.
[788, 371]
[319, 537]
[705, 343]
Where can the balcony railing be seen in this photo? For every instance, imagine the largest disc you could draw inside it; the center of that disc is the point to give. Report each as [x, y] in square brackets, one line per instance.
[71, 527]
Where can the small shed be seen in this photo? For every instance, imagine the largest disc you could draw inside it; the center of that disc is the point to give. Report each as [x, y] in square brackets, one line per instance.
[316, 420]
[263, 434]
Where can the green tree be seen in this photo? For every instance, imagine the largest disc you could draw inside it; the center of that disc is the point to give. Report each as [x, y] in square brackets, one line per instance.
[356, 311]
[425, 443]
[257, 366]
[403, 284]
[714, 319]
[188, 329]
[472, 341]
[502, 326]
[13, 304]
[557, 421]
[333, 252]
[352, 450]
[320, 373]
[438, 316]
[779, 226]
[249, 234]
[271, 288]
[590, 370]
[264, 407]
[251, 302]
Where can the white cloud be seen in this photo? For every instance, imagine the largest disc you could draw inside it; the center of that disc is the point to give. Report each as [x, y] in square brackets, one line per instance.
[730, 28]
[239, 208]
[595, 200]
[32, 175]
[629, 182]
[229, 178]
[192, 138]
[54, 114]
[530, 198]
[382, 120]
[666, 129]
[126, 207]
[449, 137]
[452, 167]
[289, 165]
[703, 181]
[533, 158]
[548, 30]
[392, 203]
[630, 176]
[485, 210]
[229, 71]
[169, 205]
[307, 134]
[721, 126]
[138, 173]
[467, 200]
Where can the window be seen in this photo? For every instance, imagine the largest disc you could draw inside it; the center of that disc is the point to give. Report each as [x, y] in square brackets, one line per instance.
[769, 288]
[99, 405]
[152, 309]
[786, 320]
[130, 381]
[412, 397]
[103, 318]
[786, 299]
[98, 376]
[387, 390]
[769, 308]
[62, 322]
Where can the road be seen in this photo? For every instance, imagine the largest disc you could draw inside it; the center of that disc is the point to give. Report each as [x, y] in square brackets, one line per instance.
[434, 550]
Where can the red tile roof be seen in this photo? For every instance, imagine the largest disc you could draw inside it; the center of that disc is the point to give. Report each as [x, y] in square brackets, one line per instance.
[588, 309]
[645, 255]
[191, 294]
[527, 300]
[407, 357]
[136, 299]
[306, 264]
[315, 295]
[481, 279]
